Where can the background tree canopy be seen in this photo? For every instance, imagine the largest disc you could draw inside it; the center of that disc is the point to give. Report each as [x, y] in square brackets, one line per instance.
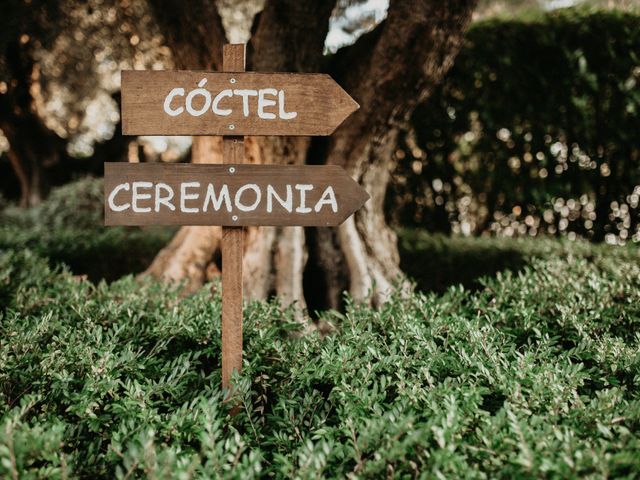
[411, 47]
[534, 130]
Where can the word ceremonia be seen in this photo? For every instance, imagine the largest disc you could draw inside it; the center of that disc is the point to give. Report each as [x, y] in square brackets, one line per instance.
[265, 98]
[196, 197]
[234, 195]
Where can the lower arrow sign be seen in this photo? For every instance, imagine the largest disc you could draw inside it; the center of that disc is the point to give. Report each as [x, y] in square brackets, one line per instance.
[239, 195]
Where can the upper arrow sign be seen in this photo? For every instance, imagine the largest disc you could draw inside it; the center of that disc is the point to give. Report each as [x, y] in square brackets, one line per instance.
[202, 103]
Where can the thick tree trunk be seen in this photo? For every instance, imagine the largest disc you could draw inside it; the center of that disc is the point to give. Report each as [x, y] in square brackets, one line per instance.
[274, 257]
[388, 71]
[38, 155]
[33, 148]
[196, 36]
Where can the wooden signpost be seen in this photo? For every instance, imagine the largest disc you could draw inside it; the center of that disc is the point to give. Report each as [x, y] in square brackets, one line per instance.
[232, 103]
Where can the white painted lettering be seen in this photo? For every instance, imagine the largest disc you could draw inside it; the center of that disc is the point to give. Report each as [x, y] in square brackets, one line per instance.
[281, 113]
[303, 187]
[267, 97]
[199, 91]
[216, 203]
[286, 204]
[224, 112]
[248, 208]
[263, 102]
[136, 196]
[328, 198]
[112, 197]
[164, 200]
[188, 196]
[167, 102]
[245, 94]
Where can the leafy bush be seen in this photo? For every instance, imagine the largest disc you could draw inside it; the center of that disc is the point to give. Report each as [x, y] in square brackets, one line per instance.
[535, 375]
[435, 261]
[534, 130]
[78, 204]
[68, 228]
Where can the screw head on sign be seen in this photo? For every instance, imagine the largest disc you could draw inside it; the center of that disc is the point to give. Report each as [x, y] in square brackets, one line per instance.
[233, 80]
[234, 218]
[232, 126]
[232, 170]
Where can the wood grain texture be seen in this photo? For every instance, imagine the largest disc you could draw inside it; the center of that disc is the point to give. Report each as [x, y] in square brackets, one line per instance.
[349, 195]
[320, 103]
[232, 247]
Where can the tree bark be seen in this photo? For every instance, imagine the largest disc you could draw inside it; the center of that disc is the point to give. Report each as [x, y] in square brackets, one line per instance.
[38, 156]
[33, 148]
[388, 71]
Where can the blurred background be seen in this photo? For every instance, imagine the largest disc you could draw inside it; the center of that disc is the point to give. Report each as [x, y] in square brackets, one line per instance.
[500, 144]
[533, 132]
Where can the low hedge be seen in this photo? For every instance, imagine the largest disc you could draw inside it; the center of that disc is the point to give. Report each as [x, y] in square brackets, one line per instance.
[435, 261]
[537, 374]
[68, 229]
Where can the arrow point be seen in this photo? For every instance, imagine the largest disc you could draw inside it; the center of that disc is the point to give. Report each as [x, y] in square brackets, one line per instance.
[364, 196]
[351, 104]
[354, 105]
[347, 103]
[359, 197]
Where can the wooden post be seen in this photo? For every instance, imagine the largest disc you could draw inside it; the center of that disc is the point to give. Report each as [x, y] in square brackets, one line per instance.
[232, 247]
[157, 103]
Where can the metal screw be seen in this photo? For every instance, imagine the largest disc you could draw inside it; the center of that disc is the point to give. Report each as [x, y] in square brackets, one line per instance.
[232, 169]
[234, 218]
[233, 80]
[232, 126]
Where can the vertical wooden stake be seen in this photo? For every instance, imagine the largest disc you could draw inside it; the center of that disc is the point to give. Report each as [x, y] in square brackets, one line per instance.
[232, 246]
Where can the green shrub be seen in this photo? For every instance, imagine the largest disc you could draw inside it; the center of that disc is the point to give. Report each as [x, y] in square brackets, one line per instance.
[436, 261]
[535, 375]
[534, 130]
[68, 228]
[78, 204]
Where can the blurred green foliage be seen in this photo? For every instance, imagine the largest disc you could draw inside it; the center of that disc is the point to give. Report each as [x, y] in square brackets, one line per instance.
[528, 9]
[535, 375]
[436, 261]
[69, 228]
[534, 130]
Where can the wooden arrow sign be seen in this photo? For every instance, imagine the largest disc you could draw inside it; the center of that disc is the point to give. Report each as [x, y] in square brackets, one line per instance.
[229, 195]
[218, 103]
[233, 103]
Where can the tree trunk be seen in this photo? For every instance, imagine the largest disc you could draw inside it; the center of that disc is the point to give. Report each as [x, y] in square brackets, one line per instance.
[388, 71]
[38, 156]
[33, 148]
